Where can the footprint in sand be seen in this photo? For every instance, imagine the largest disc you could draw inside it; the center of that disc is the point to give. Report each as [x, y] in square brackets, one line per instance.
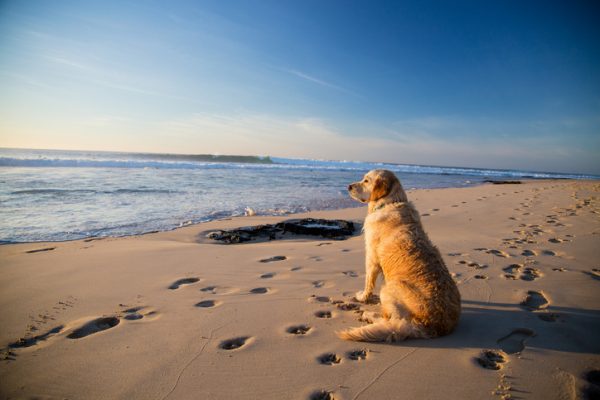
[268, 275]
[323, 314]
[259, 290]
[294, 269]
[348, 306]
[210, 289]
[528, 253]
[324, 244]
[298, 329]
[472, 264]
[492, 359]
[534, 301]
[530, 274]
[514, 342]
[548, 317]
[40, 250]
[524, 273]
[513, 269]
[132, 314]
[480, 277]
[320, 299]
[329, 359]
[235, 343]
[548, 253]
[32, 341]
[357, 355]
[218, 290]
[94, 326]
[351, 274]
[273, 259]
[183, 281]
[318, 284]
[207, 304]
[559, 269]
[476, 265]
[322, 395]
[498, 253]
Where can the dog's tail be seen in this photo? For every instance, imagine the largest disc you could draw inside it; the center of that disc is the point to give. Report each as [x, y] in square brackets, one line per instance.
[384, 330]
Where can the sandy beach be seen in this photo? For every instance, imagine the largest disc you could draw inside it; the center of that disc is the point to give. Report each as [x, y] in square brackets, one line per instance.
[171, 315]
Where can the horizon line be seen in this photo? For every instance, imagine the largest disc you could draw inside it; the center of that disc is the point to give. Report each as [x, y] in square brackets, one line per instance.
[593, 176]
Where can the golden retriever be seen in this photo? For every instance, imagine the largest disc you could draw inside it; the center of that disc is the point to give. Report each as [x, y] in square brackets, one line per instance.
[420, 298]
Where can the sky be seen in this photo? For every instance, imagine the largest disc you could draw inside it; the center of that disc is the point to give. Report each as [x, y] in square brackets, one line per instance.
[502, 84]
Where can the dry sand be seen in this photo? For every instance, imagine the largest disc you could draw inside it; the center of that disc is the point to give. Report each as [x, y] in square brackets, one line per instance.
[236, 327]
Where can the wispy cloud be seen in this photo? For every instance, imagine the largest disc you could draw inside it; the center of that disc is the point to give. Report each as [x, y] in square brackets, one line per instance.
[106, 121]
[109, 77]
[70, 63]
[320, 82]
[26, 79]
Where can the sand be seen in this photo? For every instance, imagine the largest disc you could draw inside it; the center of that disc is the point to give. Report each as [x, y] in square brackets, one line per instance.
[172, 316]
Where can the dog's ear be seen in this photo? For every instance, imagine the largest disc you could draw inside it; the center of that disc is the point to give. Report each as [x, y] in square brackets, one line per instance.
[380, 189]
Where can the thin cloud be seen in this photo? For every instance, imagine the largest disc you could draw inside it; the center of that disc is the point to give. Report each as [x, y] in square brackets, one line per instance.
[70, 63]
[108, 77]
[320, 82]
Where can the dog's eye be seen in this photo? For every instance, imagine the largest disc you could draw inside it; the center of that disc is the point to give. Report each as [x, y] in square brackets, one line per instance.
[366, 180]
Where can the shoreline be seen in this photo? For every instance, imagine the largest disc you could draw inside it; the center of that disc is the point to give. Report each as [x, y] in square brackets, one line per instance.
[163, 315]
[290, 215]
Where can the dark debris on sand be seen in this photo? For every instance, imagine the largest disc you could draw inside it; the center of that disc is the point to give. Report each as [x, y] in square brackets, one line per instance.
[495, 182]
[327, 228]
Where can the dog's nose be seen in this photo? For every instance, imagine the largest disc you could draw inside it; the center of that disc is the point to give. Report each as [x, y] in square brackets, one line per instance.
[349, 187]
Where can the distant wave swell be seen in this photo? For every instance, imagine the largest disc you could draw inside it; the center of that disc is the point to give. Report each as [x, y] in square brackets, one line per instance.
[81, 159]
[83, 163]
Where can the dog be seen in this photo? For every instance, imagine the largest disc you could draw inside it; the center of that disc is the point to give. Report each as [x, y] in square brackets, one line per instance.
[419, 298]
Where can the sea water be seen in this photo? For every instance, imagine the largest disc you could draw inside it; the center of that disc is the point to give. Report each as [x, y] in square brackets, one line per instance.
[50, 195]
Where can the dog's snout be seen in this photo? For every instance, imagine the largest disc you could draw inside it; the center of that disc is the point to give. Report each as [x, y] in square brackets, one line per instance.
[350, 187]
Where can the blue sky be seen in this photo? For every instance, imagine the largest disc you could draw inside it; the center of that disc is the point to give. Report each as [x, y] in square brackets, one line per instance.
[503, 84]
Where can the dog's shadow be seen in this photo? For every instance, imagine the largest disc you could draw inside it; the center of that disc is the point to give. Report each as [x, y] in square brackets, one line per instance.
[482, 325]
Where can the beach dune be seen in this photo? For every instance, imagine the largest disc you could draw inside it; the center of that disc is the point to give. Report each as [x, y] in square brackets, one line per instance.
[173, 315]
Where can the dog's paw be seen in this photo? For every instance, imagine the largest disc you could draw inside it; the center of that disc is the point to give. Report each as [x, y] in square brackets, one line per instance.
[362, 297]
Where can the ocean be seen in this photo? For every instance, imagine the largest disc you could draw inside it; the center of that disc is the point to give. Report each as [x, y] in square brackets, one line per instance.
[55, 195]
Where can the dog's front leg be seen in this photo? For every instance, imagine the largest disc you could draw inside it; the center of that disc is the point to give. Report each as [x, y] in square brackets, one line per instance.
[372, 272]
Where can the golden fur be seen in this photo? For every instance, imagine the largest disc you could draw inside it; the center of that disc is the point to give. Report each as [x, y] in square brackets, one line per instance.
[420, 298]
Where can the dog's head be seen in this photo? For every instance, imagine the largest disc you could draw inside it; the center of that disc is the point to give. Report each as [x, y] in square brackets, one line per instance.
[377, 184]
